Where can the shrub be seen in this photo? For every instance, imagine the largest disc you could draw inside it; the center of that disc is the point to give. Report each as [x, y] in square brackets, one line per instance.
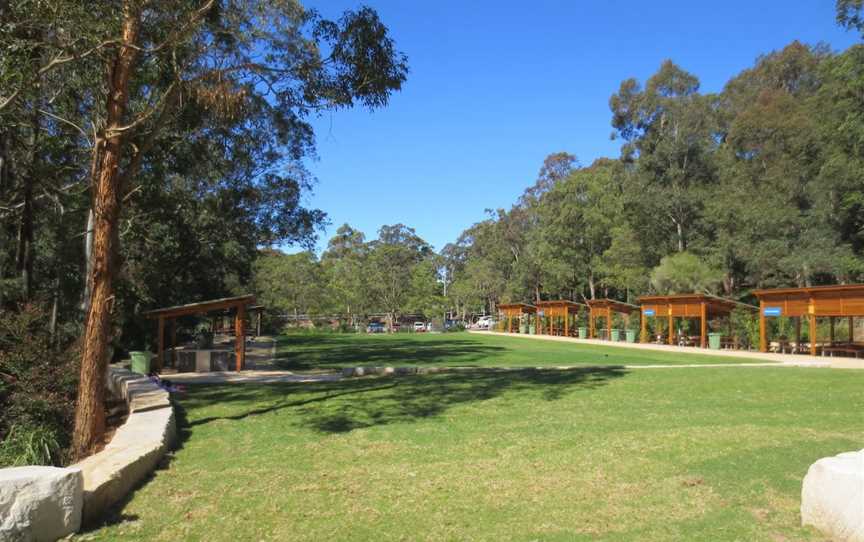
[745, 327]
[38, 382]
[31, 445]
[345, 327]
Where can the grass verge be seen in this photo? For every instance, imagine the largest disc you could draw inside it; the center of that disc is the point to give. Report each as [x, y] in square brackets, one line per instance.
[591, 454]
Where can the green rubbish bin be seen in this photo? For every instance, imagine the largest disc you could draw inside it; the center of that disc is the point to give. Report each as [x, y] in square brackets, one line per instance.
[714, 341]
[523, 329]
[583, 332]
[615, 335]
[140, 362]
[631, 335]
[532, 330]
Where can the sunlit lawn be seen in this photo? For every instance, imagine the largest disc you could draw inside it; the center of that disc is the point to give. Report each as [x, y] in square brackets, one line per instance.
[303, 351]
[594, 454]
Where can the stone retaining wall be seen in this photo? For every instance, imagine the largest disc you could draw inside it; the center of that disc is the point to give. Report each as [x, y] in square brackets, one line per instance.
[137, 447]
[386, 371]
[46, 503]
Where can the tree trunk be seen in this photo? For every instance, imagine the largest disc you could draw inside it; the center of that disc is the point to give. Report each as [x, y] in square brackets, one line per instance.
[680, 230]
[24, 256]
[5, 184]
[88, 263]
[89, 411]
[55, 309]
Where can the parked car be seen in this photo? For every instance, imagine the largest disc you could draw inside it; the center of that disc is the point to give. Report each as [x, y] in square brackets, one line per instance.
[485, 322]
[419, 327]
[375, 327]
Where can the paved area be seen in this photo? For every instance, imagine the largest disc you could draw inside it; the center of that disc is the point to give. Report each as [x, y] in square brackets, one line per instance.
[788, 360]
[261, 369]
[251, 377]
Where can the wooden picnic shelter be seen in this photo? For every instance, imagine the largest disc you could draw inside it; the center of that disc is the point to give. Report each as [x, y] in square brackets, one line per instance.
[169, 314]
[559, 308]
[604, 308]
[693, 306]
[832, 302]
[512, 311]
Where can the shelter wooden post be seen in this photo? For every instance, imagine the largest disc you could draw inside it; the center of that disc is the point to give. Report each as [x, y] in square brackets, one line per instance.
[851, 329]
[733, 342]
[608, 323]
[798, 334]
[258, 324]
[591, 323]
[643, 334]
[703, 325]
[763, 339]
[831, 330]
[567, 324]
[161, 352]
[671, 327]
[812, 335]
[240, 336]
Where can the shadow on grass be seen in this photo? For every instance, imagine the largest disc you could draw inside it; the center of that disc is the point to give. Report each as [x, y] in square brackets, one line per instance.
[309, 351]
[354, 403]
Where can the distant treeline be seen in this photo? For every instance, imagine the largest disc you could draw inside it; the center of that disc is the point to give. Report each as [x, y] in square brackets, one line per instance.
[760, 185]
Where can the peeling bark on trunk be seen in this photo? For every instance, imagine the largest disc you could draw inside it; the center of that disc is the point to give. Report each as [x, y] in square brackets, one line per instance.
[89, 412]
[88, 263]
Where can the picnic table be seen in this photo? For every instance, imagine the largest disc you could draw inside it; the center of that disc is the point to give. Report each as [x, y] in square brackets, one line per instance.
[791, 347]
[728, 343]
[851, 349]
[691, 340]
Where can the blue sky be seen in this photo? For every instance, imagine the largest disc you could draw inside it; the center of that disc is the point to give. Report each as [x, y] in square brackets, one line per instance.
[496, 86]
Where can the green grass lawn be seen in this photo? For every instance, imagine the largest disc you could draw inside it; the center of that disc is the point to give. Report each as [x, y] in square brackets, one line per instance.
[306, 351]
[592, 454]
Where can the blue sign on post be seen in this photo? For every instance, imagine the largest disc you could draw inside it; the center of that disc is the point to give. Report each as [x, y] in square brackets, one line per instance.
[772, 311]
[648, 312]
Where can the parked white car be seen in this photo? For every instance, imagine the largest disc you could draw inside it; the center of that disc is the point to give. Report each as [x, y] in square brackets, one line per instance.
[419, 327]
[485, 322]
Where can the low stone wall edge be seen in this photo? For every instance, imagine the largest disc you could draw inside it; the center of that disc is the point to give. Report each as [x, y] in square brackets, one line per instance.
[137, 447]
